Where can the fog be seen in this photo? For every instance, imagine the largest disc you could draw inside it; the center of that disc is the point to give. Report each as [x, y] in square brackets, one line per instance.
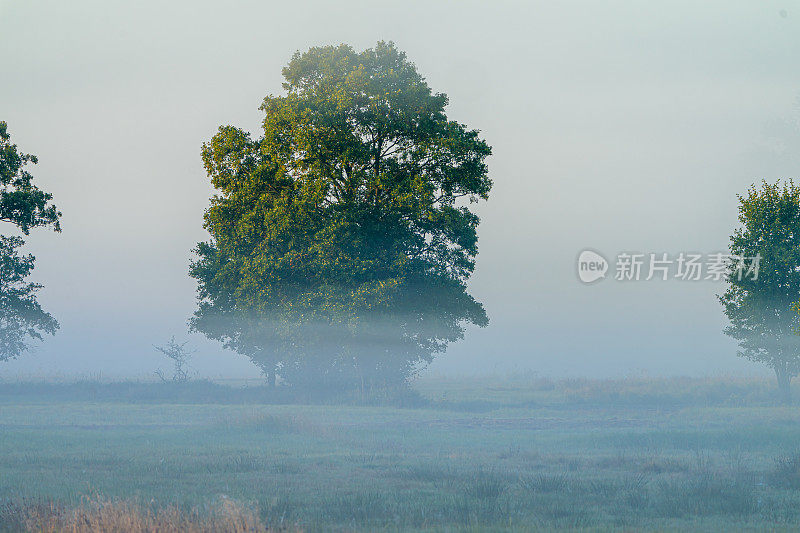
[621, 127]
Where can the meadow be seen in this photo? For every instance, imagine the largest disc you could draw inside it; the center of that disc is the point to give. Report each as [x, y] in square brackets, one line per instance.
[493, 454]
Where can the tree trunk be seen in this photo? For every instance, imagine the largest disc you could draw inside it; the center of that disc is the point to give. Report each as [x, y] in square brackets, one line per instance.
[784, 385]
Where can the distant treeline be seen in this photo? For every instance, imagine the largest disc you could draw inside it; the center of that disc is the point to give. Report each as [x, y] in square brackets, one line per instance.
[466, 395]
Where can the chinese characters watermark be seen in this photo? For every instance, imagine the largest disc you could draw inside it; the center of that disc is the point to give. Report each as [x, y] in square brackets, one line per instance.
[592, 266]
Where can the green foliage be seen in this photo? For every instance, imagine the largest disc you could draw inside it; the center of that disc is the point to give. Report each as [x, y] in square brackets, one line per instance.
[25, 206]
[342, 239]
[21, 316]
[761, 314]
[22, 203]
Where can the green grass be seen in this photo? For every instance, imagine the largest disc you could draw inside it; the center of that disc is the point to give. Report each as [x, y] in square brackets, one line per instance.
[518, 454]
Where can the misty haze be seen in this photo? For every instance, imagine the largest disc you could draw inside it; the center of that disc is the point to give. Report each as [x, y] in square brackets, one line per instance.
[444, 266]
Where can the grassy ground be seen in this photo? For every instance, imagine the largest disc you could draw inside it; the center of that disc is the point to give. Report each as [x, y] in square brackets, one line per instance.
[513, 454]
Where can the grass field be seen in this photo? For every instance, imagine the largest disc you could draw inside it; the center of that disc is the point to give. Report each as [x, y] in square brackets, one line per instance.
[493, 454]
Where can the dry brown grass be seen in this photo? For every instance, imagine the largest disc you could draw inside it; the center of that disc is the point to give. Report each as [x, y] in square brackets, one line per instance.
[98, 515]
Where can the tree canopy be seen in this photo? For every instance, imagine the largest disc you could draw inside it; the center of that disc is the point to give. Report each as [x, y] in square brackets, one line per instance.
[25, 206]
[21, 202]
[341, 238]
[761, 309]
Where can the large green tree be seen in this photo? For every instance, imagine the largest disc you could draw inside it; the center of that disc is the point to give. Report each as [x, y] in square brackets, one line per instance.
[341, 238]
[24, 206]
[761, 308]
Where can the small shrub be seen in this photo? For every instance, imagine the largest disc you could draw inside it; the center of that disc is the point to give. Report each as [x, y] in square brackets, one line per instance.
[180, 357]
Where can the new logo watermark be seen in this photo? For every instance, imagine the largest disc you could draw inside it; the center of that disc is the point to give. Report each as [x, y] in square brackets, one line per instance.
[591, 266]
[685, 266]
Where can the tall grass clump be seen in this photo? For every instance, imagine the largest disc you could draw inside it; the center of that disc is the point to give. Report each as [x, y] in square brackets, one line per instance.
[95, 515]
[786, 473]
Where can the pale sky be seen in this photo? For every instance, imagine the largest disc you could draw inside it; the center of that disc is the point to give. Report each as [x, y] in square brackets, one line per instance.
[616, 126]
